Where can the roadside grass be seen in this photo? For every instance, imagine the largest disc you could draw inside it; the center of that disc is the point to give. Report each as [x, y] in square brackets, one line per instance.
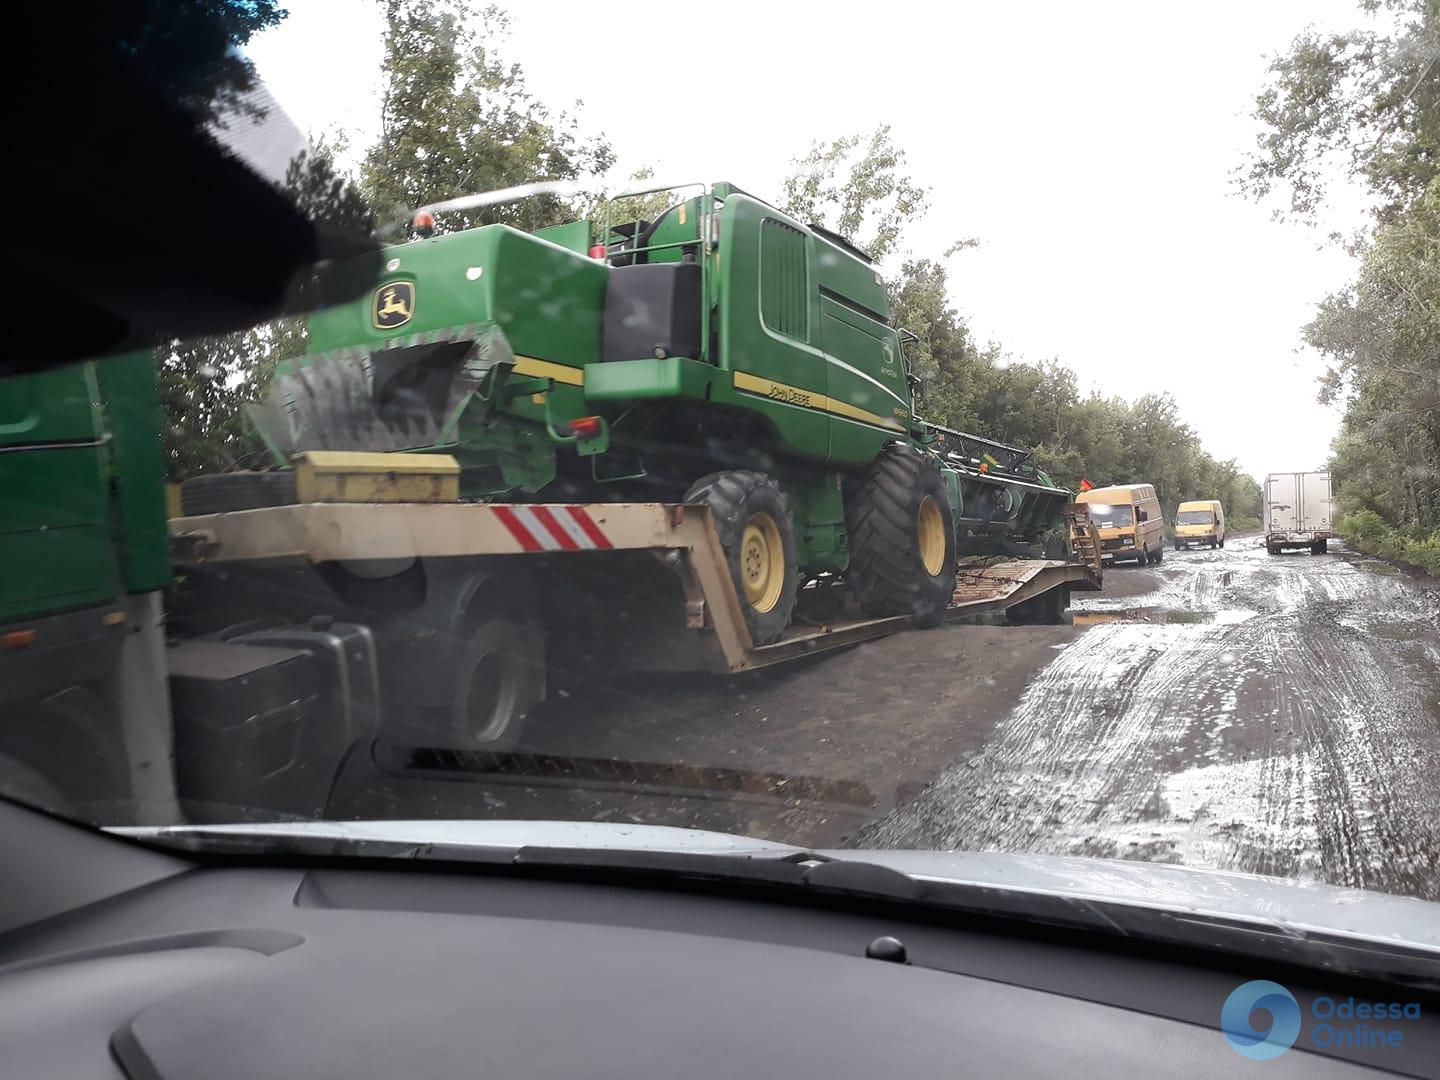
[1412, 548]
[1239, 526]
[1377, 567]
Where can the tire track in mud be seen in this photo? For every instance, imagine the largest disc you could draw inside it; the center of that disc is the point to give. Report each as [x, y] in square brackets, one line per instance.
[1296, 734]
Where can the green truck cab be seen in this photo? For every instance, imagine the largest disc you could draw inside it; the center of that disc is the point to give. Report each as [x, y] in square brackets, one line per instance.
[84, 555]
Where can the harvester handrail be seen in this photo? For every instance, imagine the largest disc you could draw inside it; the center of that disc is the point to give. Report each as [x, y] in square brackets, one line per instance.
[704, 227]
[500, 195]
[635, 192]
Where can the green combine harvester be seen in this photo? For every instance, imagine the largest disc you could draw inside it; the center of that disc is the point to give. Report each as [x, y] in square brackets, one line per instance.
[721, 353]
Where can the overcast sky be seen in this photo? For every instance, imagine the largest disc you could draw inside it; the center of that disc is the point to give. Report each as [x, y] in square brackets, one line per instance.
[1089, 148]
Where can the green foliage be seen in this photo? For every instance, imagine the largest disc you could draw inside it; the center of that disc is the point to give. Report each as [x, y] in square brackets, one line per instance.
[1382, 336]
[1235, 524]
[1363, 525]
[1364, 104]
[854, 186]
[857, 186]
[456, 119]
[626, 208]
[1106, 440]
[324, 194]
[190, 52]
[1367, 531]
[205, 382]
[1371, 99]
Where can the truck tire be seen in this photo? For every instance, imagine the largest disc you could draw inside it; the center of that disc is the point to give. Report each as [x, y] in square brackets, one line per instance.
[752, 518]
[495, 686]
[1158, 555]
[1140, 557]
[224, 492]
[902, 538]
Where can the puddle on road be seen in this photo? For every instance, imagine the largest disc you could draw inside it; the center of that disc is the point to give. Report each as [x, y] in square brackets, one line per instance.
[1303, 742]
[1158, 615]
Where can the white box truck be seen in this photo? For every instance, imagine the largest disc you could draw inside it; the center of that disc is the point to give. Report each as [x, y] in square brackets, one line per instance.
[1299, 511]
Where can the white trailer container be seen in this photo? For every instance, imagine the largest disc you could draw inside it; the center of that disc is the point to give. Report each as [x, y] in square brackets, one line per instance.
[1299, 511]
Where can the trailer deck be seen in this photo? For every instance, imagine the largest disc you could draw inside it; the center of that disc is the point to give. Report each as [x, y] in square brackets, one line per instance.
[681, 536]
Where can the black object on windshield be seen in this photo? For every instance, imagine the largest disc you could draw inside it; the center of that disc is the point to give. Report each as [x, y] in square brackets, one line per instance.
[141, 209]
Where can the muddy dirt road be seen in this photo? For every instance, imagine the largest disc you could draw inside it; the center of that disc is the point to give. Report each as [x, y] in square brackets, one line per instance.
[1278, 715]
[1227, 709]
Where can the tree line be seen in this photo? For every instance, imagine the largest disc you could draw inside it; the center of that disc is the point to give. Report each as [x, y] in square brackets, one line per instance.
[456, 116]
[1363, 107]
[858, 186]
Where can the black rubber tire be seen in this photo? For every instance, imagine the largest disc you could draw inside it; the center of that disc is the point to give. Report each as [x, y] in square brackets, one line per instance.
[1140, 557]
[1222, 541]
[1177, 545]
[734, 498]
[1158, 555]
[1214, 544]
[224, 492]
[496, 683]
[1057, 548]
[883, 521]
[1324, 547]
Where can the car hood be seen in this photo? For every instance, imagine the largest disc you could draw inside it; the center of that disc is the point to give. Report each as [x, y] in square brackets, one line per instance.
[1197, 894]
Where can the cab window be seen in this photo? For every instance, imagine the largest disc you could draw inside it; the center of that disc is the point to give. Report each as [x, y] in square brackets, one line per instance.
[1111, 516]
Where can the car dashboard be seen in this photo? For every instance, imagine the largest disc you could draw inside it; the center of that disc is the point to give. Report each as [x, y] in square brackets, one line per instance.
[168, 968]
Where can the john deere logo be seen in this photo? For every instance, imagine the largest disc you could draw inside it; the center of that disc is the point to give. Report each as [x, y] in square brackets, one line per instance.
[394, 305]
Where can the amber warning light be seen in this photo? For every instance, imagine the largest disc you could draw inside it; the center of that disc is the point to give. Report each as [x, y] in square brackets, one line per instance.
[587, 427]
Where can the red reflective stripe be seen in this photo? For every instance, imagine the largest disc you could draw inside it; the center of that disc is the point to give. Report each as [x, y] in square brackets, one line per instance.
[517, 528]
[581, 518]
[553, 527]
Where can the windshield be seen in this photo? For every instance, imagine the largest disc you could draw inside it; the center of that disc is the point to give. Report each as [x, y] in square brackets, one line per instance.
[409, 475]
[1112, 516]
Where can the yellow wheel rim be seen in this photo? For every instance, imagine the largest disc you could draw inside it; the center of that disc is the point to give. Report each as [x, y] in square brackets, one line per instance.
[930, 529]
[762, 562]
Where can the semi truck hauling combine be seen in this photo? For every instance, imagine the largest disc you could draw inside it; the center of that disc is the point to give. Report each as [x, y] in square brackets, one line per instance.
[700, 432]
[720, 354]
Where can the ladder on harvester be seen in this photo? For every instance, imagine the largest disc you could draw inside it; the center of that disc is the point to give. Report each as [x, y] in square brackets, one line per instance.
[1084, 537]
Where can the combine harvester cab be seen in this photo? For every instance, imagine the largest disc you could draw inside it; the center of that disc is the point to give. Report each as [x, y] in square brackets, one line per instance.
[720, 353]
